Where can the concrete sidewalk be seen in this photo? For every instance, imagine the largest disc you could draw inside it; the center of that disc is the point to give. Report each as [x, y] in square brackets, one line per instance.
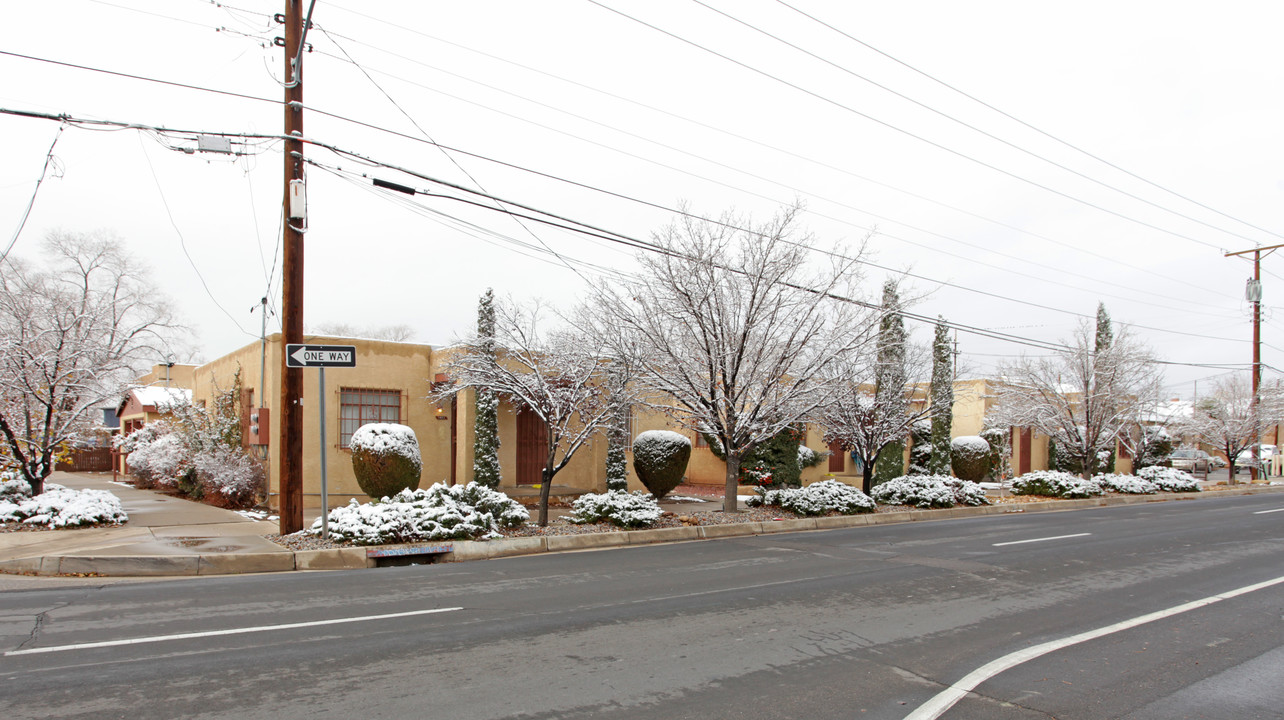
[170, 536]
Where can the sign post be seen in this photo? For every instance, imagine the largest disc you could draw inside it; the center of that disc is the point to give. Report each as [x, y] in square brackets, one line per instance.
[321, 357]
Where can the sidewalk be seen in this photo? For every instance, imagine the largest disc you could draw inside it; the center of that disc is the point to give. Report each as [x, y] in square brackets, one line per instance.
[169, 536]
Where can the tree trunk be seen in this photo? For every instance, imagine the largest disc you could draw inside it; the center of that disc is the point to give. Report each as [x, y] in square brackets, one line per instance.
[729, 502]
[546, 485]
[867, 476]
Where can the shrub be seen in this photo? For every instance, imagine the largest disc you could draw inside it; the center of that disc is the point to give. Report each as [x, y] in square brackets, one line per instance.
[618, 507]
[60, 507]
[1128, 484]
[890, 462]
[1055, 483]
[1000, 451]
[159, 460]
[929, 491]
[660, 459]
[1169, 479]
[816, 499]
[228, 477]
[462, 512]
[13, 486]
[808, 457]
[385, 459]
[970, 457]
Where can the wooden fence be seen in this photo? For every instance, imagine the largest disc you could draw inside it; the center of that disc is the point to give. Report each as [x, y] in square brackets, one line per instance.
[95, 459]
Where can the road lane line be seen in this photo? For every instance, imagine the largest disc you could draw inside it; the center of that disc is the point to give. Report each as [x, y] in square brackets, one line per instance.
[1263, 512]
[234, 631]
[946, 699]
[1058, 537]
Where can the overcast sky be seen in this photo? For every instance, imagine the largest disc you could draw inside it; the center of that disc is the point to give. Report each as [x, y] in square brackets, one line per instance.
[670, 102]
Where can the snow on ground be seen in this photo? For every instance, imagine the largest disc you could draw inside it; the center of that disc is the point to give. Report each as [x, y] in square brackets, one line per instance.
[685, 498]
[256, 515]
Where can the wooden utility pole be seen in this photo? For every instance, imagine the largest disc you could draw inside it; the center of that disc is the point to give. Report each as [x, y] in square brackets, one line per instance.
[291, 412]
[1254, 295]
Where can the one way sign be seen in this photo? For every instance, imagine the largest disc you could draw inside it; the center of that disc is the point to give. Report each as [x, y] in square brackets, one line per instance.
[320, 356]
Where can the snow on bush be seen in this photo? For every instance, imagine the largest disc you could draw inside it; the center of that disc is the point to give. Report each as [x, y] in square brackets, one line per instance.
[461, 512]
[660, 459]
[1128, 484]
[59, 507]
[13, 486]
[228, 477]
[970, 457]
[807, 457]
[385, 458]
[618, 507]
[159, 460]
[1055, 483]
[816, 499]
[1170, 479]
[929, 491]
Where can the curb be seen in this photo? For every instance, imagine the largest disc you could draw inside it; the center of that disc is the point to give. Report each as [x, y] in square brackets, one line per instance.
[468, 550]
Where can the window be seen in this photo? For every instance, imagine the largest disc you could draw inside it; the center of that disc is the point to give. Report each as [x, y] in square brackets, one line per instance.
[359, 406]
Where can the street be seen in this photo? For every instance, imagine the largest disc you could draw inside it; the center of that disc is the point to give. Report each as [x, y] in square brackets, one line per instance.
[869, 622]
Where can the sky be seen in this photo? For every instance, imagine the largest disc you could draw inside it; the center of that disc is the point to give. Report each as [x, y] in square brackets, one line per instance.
[1014, 163]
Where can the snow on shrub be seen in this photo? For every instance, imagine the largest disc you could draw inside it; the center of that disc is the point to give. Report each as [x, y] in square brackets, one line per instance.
[1170, 479]
[660, 458]
[807, 457]
[1055, 483]
[228, 477]
[1129, 484]
[929, 491]
[970, 457]
[461, 512]
[618, 507]
[159, 460]
[816, 499]
[385, 459]
[13, 486]
[59, 507]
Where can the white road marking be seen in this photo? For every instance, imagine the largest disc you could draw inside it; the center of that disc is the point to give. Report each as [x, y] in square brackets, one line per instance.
[946, 699]
[1058, 537]
[233, 631]
[1263, 512]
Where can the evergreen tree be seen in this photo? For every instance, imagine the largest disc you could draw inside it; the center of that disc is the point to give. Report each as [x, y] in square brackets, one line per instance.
[942, 400]
[890, 377]
[1105, 335]
[486, 422]
[617, 471]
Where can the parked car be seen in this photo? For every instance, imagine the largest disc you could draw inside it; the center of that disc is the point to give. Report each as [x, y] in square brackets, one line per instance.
[1190, 460]
[1244, 460]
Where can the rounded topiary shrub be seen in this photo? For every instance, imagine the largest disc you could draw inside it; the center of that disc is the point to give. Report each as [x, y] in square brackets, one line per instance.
[970, 457]
[660, 459]
[385, 459]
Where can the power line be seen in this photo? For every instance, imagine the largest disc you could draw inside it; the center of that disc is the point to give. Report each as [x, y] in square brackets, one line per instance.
[44, 172]
[903, 131]
[1026, 124]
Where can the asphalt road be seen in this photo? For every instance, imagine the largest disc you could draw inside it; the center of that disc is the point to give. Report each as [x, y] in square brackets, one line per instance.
[872, 622]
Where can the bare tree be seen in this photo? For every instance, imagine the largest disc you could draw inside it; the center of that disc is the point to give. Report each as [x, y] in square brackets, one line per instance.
[558, 375]
[392, 333]
[1084, 398]
[1227, 420]
[867, 422]
[74, 332]
[731, 328]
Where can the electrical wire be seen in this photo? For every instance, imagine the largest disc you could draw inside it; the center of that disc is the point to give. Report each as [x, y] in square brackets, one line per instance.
[1025, 124]
[44, 172]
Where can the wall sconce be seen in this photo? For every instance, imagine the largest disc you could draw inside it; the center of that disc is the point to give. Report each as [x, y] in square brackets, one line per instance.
[440, 413]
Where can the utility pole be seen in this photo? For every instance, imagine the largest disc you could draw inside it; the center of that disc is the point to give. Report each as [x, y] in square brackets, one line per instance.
[291, 411]
[1253, 292]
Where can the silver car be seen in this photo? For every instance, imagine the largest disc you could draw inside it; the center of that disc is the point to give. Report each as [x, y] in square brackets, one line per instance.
[1191, 460]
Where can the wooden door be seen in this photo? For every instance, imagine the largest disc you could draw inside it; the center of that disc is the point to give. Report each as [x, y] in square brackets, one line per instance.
[1023, 465]
[837, 457]
[532, 447]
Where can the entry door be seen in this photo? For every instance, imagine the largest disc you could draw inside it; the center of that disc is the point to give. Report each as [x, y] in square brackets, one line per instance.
[532, 446]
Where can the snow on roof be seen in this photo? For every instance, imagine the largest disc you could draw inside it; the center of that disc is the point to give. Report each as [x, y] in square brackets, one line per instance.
[157, 396]
[1166, 411]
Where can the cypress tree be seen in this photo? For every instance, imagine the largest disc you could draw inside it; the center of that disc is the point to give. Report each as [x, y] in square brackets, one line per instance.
[486, 422]
[942, 400]
[617, 471]
[890, 377]
[1105, 335]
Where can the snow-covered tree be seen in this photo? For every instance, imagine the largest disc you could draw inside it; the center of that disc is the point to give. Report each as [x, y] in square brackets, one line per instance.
[866, 424]
[1082, 398]
[942, 400]
[890, 379]
[733, 329]
[73, 332]
[1225, 418]
[486, 420]
[558, 375]
[617, 435]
